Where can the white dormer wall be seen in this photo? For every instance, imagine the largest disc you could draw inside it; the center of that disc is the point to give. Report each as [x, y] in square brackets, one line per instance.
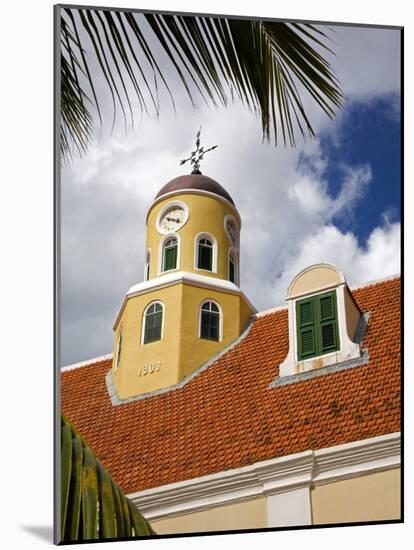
[312, 281]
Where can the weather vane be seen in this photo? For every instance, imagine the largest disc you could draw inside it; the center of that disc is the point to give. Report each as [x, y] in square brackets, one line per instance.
[197, 156]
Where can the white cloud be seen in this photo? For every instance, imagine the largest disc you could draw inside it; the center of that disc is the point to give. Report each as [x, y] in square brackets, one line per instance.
[380, 258]
[367, 61]
[287, 212]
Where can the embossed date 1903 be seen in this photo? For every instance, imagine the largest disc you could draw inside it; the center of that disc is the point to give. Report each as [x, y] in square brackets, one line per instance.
[149, 368]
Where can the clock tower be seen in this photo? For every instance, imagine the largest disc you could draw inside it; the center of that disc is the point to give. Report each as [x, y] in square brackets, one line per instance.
[189, 306]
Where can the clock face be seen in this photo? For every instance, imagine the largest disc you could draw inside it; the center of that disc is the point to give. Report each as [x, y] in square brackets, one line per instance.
[232, 233]
[172, 219]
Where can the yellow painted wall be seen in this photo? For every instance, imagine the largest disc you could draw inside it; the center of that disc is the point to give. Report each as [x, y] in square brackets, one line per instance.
[180, 351]
[242, 515]
[194, 351]
[352, 314]
[365, 498]
[206, 215]
[314, 279]
[130, 377]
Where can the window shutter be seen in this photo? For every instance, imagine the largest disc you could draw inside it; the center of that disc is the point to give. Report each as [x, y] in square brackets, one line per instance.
[170, 258]
[153, 324]
[317, 325]
[231, 271]
[328, 331]
[305, 318]
[205, 255]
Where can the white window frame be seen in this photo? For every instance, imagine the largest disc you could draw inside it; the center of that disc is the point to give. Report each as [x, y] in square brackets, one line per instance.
[143, 322]
[227, 219]
[220, 319]
[213, 239]
[147, 266]
[233, 252]
[348, 349]
[166, 237]
[117, 357]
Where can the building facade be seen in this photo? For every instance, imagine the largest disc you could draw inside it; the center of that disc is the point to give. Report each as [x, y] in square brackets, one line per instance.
[212, 416]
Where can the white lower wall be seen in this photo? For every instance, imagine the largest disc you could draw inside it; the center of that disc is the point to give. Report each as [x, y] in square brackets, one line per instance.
[289, 509]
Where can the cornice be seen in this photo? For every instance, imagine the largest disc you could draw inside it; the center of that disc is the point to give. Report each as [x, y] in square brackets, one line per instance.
[183, 277]
[271, 477]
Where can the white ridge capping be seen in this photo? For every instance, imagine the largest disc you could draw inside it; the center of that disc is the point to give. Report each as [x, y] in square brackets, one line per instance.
[276, 476]
[87, 362]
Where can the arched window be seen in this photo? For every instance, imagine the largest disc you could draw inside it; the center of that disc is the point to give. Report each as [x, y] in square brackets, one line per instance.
[170, 251]
[233, 268]
[205, 254]
[147, 266]
[210, 322]
[118, 349]
[153, 323]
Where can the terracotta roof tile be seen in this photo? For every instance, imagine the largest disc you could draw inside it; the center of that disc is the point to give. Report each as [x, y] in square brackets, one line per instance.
[228, 417]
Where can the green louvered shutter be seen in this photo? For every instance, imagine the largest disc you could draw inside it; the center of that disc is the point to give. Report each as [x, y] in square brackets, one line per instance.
[317, 325]
[170, 255]
[328, 323]
[306, 329]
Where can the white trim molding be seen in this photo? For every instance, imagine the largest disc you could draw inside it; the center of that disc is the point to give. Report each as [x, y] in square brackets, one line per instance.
[182, 277]
[285, 482]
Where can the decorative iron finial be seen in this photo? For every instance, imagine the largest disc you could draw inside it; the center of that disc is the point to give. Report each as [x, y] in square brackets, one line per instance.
[197, 156]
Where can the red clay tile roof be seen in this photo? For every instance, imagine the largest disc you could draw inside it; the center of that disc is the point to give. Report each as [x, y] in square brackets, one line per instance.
[227, 417]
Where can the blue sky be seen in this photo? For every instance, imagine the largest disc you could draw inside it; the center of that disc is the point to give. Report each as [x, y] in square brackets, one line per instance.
[368, 132]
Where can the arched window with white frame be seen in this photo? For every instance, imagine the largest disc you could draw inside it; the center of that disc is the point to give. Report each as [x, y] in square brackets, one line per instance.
[118, 349]
[211, 321]
[147, 265]
[206, 252]
[170, 254]
[233, 267]
[153, 322]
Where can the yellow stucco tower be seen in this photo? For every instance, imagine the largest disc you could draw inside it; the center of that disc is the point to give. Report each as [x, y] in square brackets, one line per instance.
[190, 306]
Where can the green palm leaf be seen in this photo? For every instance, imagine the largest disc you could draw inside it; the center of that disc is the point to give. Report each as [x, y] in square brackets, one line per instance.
[93, 506]
[268, 65]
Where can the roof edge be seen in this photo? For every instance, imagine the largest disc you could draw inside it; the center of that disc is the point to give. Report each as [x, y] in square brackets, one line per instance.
[254, 316]
[377, 281]
[116, 400]
[370, 283]
[87, 362]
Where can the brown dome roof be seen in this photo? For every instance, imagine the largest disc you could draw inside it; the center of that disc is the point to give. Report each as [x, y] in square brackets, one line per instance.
[194, 181]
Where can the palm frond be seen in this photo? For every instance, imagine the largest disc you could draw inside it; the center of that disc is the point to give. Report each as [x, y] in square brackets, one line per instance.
[269, 66]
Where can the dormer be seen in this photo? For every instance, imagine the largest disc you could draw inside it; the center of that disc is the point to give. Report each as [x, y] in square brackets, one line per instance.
[324, 321]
